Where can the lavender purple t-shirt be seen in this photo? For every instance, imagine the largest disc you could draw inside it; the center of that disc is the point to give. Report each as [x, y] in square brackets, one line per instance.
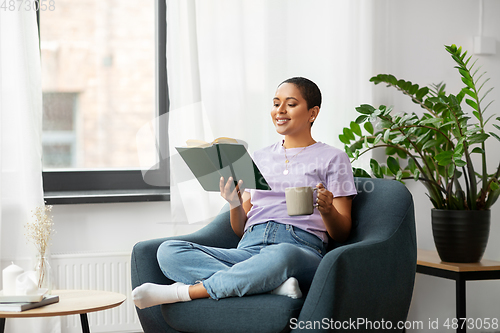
[318, 163]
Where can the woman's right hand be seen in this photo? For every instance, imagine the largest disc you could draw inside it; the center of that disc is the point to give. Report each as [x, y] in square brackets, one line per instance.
[231, 193]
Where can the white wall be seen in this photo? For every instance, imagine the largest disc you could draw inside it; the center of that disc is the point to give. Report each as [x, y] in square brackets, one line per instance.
[112, 227]
[409, 40]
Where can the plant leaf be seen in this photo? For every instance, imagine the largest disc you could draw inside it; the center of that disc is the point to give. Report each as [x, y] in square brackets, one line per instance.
[416, 174]
[486, 93]
[478, 138]
[390, 150]
[477, 150]
[398, 139]
[344, 139]
[468, 83]
[386, 135]
[429, 144]
[386, 171]
[355, 128]
[348, 151]
[451, 168]
[477, 115]
[413, 89]
[348, 133]
[421, 93]
[361, 119]
[358, 172]
[412, 165]
[469, 92]
[401, 153]
[472, 104]
[464, 73]
[487, 120]
[433, 121]
[377, 171]
[444, 158]
[422, 137]
[495, 136]
[369, 127]
[494, 186]
[393, 164]
[365, 109]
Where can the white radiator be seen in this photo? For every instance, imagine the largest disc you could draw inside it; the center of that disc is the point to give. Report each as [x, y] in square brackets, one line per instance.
[97, 271]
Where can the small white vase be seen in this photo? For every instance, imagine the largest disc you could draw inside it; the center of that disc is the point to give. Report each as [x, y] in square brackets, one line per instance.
[43, 273]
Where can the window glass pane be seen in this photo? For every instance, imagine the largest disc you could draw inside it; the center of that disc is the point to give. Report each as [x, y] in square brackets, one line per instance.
[59, 111]
[59, 135]
[98, 80]
[58, 155]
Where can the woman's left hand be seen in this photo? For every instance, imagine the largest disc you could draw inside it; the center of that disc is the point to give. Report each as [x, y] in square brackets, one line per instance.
[335, 212]
[324, 200]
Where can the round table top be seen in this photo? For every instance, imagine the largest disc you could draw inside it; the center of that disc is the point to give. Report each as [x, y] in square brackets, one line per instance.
[72, 302]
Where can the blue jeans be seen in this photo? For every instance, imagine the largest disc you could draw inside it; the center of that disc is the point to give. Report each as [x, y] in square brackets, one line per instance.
[266, 256]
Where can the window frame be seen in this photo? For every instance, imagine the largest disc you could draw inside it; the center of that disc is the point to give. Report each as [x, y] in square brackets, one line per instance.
[124, 185]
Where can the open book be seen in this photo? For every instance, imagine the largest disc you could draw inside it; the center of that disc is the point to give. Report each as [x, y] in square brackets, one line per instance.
[224, 157]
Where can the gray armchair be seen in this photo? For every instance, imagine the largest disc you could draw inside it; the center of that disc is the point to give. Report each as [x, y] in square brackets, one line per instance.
[358, 284]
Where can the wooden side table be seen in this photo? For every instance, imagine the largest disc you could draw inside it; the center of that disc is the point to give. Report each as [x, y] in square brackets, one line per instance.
[428, 262]
[71, 302]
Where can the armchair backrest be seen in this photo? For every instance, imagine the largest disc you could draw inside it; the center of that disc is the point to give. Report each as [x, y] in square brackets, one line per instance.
[376, 207]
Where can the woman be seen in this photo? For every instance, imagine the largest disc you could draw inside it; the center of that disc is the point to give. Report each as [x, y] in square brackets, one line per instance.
[277, 253]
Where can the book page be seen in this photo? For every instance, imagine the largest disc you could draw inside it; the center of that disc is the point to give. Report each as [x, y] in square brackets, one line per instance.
[201, 143]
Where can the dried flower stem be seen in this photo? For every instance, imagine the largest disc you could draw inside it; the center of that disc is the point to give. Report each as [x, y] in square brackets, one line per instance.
[39, 232]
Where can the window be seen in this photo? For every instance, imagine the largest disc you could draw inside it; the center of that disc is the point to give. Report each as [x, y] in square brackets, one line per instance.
[103, 79]
[59, 130]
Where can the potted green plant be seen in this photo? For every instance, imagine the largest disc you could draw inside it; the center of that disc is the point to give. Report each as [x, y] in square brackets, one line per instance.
[438, 147]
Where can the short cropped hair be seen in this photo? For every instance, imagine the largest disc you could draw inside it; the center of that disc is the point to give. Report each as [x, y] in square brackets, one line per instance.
[308, 89]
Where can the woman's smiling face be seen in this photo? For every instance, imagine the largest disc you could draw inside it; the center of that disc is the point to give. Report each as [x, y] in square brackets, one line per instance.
[290, 113]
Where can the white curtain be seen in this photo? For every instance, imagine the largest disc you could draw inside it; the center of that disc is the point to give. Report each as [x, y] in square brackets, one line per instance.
[225, 59]
[20, 142]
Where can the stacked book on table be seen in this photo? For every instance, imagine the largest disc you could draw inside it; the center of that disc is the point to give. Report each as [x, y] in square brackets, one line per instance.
[18, 303]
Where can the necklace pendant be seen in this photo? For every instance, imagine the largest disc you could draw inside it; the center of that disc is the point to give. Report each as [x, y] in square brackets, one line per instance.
[285, 172]
[287, 161]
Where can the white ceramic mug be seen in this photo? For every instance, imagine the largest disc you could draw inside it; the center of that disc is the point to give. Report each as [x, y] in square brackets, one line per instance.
[299, 200]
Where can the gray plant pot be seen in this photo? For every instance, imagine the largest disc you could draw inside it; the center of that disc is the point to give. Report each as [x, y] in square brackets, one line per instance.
[460, 235]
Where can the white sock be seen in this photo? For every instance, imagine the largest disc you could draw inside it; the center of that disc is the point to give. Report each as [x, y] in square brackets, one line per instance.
[288, 288]
[150, 294]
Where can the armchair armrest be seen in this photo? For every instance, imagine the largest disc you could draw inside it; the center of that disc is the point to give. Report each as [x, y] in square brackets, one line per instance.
[145, 268]
[367, 279]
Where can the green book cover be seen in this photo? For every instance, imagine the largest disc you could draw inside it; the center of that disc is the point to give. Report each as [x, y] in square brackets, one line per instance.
[209, 163]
